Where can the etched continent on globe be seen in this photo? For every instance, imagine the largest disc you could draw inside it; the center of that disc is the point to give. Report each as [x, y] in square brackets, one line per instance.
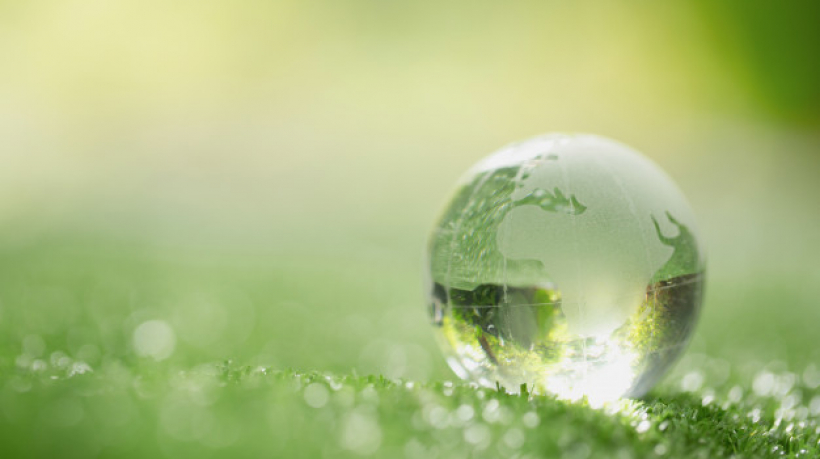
[568, 263]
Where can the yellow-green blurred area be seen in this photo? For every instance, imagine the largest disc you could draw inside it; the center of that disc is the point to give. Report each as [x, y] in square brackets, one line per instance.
[260, 176]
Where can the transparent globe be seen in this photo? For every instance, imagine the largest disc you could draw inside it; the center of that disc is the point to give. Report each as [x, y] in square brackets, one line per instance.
[569, 263]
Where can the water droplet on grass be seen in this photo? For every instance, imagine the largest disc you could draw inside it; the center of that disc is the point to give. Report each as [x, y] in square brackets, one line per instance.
[514, 438]
[465, 413]
[361, 433]
[154, 339]
[531, 420]
[316, 395]
[643, 426]
[478, 435]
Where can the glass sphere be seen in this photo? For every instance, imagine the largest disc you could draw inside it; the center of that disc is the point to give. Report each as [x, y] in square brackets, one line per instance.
[569, 263]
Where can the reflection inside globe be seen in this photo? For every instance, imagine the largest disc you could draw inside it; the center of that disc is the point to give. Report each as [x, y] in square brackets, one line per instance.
[567, 263]
[520, 336]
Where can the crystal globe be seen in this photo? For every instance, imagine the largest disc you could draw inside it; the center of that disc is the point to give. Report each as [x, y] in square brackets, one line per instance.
[569, 263]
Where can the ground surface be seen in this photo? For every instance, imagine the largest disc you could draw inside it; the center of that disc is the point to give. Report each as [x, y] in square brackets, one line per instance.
[273, 355]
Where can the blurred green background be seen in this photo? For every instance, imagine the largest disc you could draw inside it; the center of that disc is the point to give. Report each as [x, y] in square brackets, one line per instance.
[255, 180]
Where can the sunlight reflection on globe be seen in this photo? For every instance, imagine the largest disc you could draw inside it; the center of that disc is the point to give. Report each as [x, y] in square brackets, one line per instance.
[569, 263]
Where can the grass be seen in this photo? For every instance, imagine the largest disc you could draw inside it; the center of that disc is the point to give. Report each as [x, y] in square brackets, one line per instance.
[74, 384]
[242, 411]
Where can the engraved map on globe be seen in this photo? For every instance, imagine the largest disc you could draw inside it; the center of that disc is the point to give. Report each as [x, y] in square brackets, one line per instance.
[565, 262]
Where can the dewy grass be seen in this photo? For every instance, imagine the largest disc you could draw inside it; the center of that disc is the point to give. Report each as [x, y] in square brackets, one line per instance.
[65, 409]
[78, 376]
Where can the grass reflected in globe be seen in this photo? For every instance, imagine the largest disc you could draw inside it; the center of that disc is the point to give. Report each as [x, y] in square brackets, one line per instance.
[567, 263]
